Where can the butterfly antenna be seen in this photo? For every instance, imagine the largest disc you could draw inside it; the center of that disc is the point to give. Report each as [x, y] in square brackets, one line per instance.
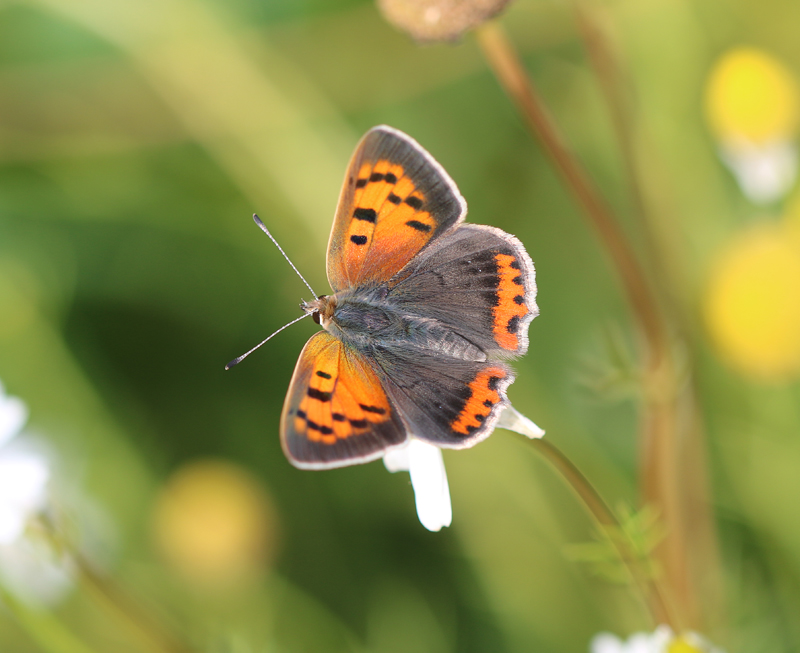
[266, 231]
[238, 360]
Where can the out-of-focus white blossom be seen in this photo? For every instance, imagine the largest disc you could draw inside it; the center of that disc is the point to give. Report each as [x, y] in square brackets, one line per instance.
[23, 474]
[30, 568]
[661, 640]
[764, 172]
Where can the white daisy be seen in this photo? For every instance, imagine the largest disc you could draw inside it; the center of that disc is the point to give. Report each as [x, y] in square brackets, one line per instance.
[661, 640]
[28, 565]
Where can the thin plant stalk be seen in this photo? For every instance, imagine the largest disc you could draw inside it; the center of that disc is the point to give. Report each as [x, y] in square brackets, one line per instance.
[653, 595]
[505, 62]
[661, 460]
[43, 627]
[659, 421]
[126, 611]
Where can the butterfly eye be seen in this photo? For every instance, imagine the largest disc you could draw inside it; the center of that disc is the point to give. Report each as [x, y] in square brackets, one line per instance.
[315, 316]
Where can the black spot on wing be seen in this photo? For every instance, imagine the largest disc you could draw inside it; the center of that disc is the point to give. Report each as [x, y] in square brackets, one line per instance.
[419, 226]
[358, 240]
[322, 374]
[367, 215]
[319, 395]
[325, 430]
[414, 202]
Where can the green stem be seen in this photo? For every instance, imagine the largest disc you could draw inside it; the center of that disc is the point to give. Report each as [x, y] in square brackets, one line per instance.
[126, 611]
[43, 627]
[508, 68]
[650, 590]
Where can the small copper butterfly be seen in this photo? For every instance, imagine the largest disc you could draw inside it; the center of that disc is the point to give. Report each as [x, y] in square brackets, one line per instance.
[425, 312]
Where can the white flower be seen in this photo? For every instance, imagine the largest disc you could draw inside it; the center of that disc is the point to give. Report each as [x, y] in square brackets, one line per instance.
[23, 474]
[423, 461]
[28, 567]
[13, 415]
[661, 640]
[764, 172]
[428, 478]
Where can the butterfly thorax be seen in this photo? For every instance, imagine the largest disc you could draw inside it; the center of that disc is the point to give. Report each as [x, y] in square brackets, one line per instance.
[366, 317]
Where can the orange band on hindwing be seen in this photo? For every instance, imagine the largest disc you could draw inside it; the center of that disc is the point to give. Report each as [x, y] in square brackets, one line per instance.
[510, 307]
[484, 395]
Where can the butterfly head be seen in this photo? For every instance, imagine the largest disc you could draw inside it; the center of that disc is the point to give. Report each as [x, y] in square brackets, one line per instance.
[321, 309]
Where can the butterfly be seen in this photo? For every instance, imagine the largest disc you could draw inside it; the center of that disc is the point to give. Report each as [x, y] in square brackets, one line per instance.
[426, 310]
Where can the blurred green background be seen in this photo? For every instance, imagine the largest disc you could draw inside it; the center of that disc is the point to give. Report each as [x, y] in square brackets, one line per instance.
[136, 140]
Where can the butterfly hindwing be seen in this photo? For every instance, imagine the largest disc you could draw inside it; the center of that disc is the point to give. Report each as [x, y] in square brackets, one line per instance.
[476, 280]
[451, 403]
[396, 199]
[336, 412]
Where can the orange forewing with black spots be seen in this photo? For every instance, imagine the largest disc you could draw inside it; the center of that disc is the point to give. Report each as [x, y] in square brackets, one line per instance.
[336, 411]
[395, 200]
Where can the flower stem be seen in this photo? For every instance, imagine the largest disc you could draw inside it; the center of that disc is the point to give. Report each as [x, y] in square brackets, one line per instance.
[661, 428]
[650, 590]
[508, 68]
[43, 627]
[126, 611]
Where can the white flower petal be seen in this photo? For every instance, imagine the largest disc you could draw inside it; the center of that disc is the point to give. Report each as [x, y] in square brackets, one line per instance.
[429, 479]
[13, 415]
[606, 643]
[30, 570]
[396, 460]
[12, 524]
[514, 421]
[23, 480]
[765, 173]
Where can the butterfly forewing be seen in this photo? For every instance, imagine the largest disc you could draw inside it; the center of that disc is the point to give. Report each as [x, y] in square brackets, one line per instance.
[336, 412]
[396, 199]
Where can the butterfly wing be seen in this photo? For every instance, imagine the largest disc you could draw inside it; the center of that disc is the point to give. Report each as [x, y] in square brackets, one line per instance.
[395, 200]
[449, 402]
[336, 412]
[477, 281]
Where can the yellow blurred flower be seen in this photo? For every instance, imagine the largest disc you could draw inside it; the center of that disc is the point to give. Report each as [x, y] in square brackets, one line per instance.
[214, 523]
[681, 645]
[753, 107]
[753, 303]
[751, 95]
